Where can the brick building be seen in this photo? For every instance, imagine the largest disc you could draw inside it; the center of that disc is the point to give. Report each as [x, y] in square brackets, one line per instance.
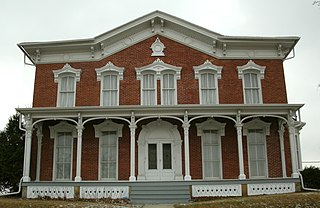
[160, 102]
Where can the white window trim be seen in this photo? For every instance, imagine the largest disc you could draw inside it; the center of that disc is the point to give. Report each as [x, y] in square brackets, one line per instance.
[206, 67]
[63, 126]
[158, 67]
[108, 125]
[66, 71]
[109, 68]
[251, 67]
[256, 123]
[211, 124]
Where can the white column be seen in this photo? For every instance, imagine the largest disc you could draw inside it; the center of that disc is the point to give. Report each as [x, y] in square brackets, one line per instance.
[79, 149]
[240, 149]
[186, 126]
[282, 151]
[39, 136]
[27, 150]
[293, 151]
[132, 127]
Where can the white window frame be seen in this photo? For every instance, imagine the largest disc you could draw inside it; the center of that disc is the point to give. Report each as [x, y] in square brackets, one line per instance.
[158, 67]
[211, 124]
[109, 69]
[254, 68]
[62, 127]
[208, 67]
[108, 126]
[257, 124]
[174, 86]
[67, 70]
[142, 88]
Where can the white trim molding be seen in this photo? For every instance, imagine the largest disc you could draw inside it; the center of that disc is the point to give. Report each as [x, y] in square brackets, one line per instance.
[104, 192]
[66, 69]
[251, 66]
[207, 65]
[270, 188]
[53, 192]
[62, 126]
[216, 190]
[157, 48]
[158, 66]
[256, 123]
[109, 67]
[107, 125]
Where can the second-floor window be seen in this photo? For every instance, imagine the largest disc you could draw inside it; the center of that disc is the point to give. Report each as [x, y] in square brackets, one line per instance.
[168, 76]
[168, 89]
[67, 77]
[109, 91]
[208, 88]
[252, 91]
[67, 87]
[208, 75]
[251, 75]
[149, 89]
[109, 77]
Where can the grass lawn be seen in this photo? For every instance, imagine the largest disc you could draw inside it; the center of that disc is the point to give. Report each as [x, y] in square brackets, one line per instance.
[294, 200]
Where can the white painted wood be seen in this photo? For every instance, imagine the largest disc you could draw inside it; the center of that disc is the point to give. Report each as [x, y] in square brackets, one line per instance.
[54, 192]
[216, 190]
[270, 188]
[104, 192]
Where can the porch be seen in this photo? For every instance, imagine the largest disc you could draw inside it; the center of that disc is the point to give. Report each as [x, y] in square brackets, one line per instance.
[160, 191]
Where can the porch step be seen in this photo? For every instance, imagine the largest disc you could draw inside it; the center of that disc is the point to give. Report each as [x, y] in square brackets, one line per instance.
[159, 192]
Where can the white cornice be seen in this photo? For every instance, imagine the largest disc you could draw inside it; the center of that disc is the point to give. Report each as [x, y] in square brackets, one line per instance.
[155, 24]
[110, 67]
[207, 65]
[251, 66]
[67, 69]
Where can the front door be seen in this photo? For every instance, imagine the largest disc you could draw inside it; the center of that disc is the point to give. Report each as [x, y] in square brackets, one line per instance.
[159, 161]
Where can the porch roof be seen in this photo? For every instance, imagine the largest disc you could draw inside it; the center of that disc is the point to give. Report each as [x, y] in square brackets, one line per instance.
[160, 110]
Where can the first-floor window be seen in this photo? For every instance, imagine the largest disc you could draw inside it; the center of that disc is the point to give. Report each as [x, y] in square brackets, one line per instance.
[257, 153]
[211, 154]
[63, 161]
[108, 155]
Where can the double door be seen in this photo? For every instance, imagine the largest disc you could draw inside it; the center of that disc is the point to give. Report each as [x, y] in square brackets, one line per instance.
[159, 161]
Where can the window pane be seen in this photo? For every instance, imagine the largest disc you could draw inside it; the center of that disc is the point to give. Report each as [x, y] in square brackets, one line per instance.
[257, 153]
[208, 89]
[211, 154]
[152, 156]
[166, 156]
[108, 155]
[148, 90]
[67, 92]
[63, 155]
[110, 90]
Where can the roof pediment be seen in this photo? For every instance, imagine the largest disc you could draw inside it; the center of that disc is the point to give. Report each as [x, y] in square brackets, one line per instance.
[159, 23]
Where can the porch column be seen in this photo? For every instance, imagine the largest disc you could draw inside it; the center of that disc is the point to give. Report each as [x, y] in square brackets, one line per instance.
[293, 148]
[283, 158]
[27, 150]
[39, 150]
[132, 127]
[186, 126]
[240, 149]
[79, 148]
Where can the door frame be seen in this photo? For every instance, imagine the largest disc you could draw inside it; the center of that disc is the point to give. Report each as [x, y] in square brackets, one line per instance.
[159, 131]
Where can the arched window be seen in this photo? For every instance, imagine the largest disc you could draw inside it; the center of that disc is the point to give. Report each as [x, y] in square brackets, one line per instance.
[208, 75]
[66, 79]
[110, 76]
[167, 74]
[251, 75]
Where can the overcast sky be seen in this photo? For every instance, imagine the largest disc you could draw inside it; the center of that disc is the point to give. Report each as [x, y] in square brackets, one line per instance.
[38, 20]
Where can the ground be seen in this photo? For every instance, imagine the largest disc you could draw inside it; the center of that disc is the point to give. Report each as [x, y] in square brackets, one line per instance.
[294, 200]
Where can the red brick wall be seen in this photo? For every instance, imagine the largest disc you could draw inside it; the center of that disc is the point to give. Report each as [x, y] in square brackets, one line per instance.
[138, 55]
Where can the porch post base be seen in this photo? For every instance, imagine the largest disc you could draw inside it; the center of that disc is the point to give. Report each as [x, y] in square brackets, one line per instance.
[187, 178]
[132, 178]
[77, 179]
[26, 179]
[242, 176]
[295, 175]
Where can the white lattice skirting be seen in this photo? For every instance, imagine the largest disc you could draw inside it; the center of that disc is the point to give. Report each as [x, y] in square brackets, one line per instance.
[216, 190]
[98, 192]
[54, 192]
[270, 188]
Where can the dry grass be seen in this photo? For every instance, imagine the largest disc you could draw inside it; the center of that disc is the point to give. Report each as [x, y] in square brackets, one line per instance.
[295, 200]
